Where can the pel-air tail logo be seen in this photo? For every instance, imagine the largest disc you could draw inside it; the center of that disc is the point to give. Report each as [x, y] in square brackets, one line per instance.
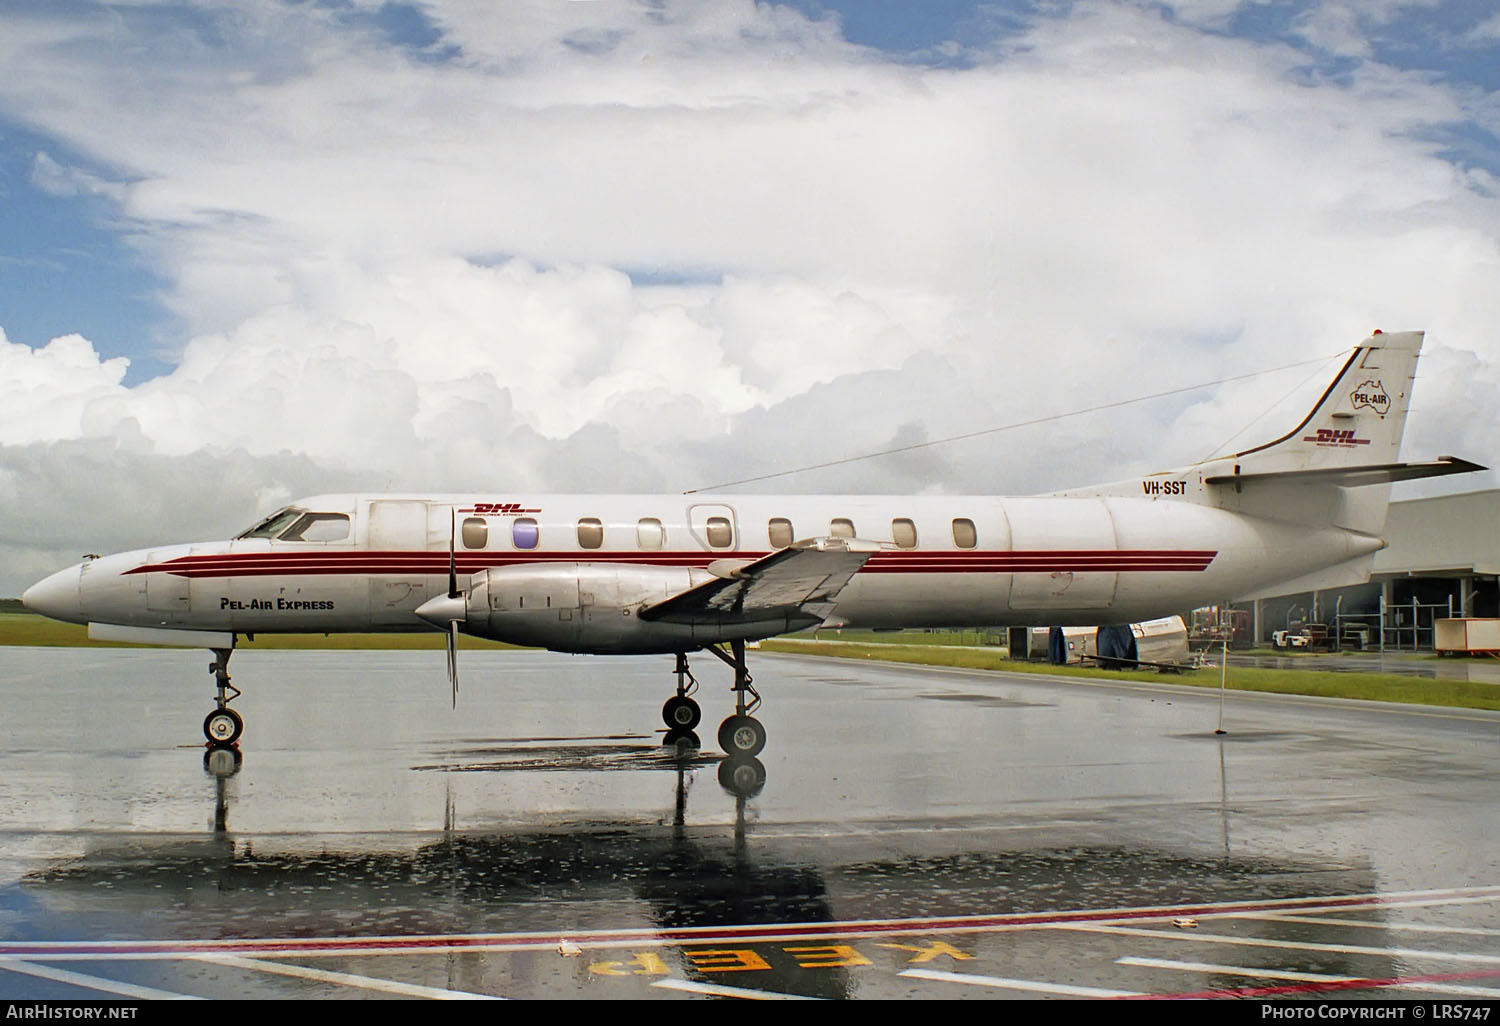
[499, 509]
[1339, 439]
[1371, 394]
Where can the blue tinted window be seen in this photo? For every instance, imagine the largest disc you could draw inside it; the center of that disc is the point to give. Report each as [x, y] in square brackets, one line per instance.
[524, 533]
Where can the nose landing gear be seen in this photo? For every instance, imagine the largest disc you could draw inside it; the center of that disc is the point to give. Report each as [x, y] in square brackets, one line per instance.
[223, 726]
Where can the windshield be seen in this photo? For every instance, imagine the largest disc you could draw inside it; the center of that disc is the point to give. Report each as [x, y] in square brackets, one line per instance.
[273, 524]
[293, 524]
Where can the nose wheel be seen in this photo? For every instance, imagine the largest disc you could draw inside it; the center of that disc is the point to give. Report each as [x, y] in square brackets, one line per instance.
[223, 726]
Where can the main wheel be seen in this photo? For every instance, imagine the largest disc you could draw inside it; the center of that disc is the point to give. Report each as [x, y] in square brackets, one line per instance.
[681, 713]
[223, 727]
[742, 736]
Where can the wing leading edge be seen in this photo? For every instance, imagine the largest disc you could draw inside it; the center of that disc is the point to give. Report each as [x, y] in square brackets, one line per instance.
[798, 582]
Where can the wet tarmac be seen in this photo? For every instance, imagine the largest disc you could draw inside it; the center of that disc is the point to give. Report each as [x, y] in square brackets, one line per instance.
[918, 832]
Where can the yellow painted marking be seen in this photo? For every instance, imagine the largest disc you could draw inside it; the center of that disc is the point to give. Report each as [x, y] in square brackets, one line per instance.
[725, 960]
[647, 963]
[928, 952]
[827, 956]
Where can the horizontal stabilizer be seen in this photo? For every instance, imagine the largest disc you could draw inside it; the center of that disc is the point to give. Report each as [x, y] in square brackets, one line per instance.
[1350, 477]
[801, 579]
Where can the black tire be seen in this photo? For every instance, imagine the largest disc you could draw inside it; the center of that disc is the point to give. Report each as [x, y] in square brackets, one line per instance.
[681, 713]
[742, 777]
[223, 727]
[742, 737]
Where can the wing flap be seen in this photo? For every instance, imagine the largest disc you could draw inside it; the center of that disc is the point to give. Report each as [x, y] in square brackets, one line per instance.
[798, 581]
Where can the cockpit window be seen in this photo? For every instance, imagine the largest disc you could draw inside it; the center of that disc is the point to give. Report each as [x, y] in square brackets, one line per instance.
[273, 524]
[318, 527]
[293, 524]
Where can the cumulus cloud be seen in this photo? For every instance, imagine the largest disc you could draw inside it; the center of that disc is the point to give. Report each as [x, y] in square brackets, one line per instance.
[651, 247]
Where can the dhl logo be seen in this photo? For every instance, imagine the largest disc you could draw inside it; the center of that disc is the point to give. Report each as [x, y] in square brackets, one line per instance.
[1328, 436]
[498, 509]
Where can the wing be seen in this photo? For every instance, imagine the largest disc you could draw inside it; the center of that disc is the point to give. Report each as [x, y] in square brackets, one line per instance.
[798, 582]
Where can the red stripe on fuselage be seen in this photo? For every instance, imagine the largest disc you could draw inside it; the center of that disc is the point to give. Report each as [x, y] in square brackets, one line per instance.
[432, 563]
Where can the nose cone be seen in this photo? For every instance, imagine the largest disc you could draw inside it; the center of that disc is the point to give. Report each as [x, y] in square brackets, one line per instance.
[56, 596]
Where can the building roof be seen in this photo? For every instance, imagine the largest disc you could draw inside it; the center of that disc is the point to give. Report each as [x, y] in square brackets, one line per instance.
[1443, 534]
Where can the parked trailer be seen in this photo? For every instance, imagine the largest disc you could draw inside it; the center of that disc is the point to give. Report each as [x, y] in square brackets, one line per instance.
[1467, 636]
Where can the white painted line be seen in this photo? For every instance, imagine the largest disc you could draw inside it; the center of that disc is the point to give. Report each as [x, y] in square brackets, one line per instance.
[1455, 989]
[344, 979]
[1031, 986]
[1467, 931]
[99, 983]
[1199, 937]
[713, 990]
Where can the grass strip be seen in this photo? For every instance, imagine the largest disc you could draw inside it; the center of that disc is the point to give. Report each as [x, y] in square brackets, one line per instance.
[1377, 687]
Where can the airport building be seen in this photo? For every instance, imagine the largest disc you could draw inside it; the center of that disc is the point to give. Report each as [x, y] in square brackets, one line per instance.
[1443, 561]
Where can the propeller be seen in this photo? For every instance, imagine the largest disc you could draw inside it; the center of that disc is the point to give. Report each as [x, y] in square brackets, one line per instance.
[453, 593]
[449, 610]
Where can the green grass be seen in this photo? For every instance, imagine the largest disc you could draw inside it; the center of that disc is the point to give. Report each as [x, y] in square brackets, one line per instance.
[1379, 687]
[930, 649]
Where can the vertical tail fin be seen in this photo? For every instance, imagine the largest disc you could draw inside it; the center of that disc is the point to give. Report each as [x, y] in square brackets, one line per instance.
[1359, 419]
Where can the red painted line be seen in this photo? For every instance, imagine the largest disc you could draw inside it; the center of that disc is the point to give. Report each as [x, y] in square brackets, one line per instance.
[1316, 986]
[701, 935]
[397, 563]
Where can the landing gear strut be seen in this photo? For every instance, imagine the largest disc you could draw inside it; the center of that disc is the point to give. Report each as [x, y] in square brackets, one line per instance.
[223, 726]
[681, 712]
[741, 736]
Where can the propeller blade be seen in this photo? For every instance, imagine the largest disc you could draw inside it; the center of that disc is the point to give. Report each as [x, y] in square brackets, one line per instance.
[452, 558]
[453, 658]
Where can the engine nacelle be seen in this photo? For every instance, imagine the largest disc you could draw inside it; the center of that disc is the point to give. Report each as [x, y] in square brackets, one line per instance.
[592, 607]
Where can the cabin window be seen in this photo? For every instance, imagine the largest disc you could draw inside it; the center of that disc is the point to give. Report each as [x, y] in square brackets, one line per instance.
[475, 533]
[964, 535]
[590, 533]
[649, 533]
[524, 533]
[841, 527]
[780, 532]
[904, 533]
[318, 527]
[720, 534]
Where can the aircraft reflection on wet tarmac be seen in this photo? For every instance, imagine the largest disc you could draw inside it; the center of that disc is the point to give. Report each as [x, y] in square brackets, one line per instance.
[700, 904]
[1016, 834]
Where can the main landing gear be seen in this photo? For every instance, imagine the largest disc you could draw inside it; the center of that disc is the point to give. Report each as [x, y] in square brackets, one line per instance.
[223, 726]
[741, 736]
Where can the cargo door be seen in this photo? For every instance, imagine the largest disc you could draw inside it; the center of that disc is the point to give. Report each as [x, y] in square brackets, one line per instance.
[396, 543]
[1063, 554]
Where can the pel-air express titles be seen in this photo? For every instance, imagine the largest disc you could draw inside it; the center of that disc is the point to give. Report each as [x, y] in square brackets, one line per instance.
[677, 574]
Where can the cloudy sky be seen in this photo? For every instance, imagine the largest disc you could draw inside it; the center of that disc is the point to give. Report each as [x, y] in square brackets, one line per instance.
[261, 249]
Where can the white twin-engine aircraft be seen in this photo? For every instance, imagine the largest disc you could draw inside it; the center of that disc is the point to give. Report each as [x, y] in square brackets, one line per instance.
[676, 574]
